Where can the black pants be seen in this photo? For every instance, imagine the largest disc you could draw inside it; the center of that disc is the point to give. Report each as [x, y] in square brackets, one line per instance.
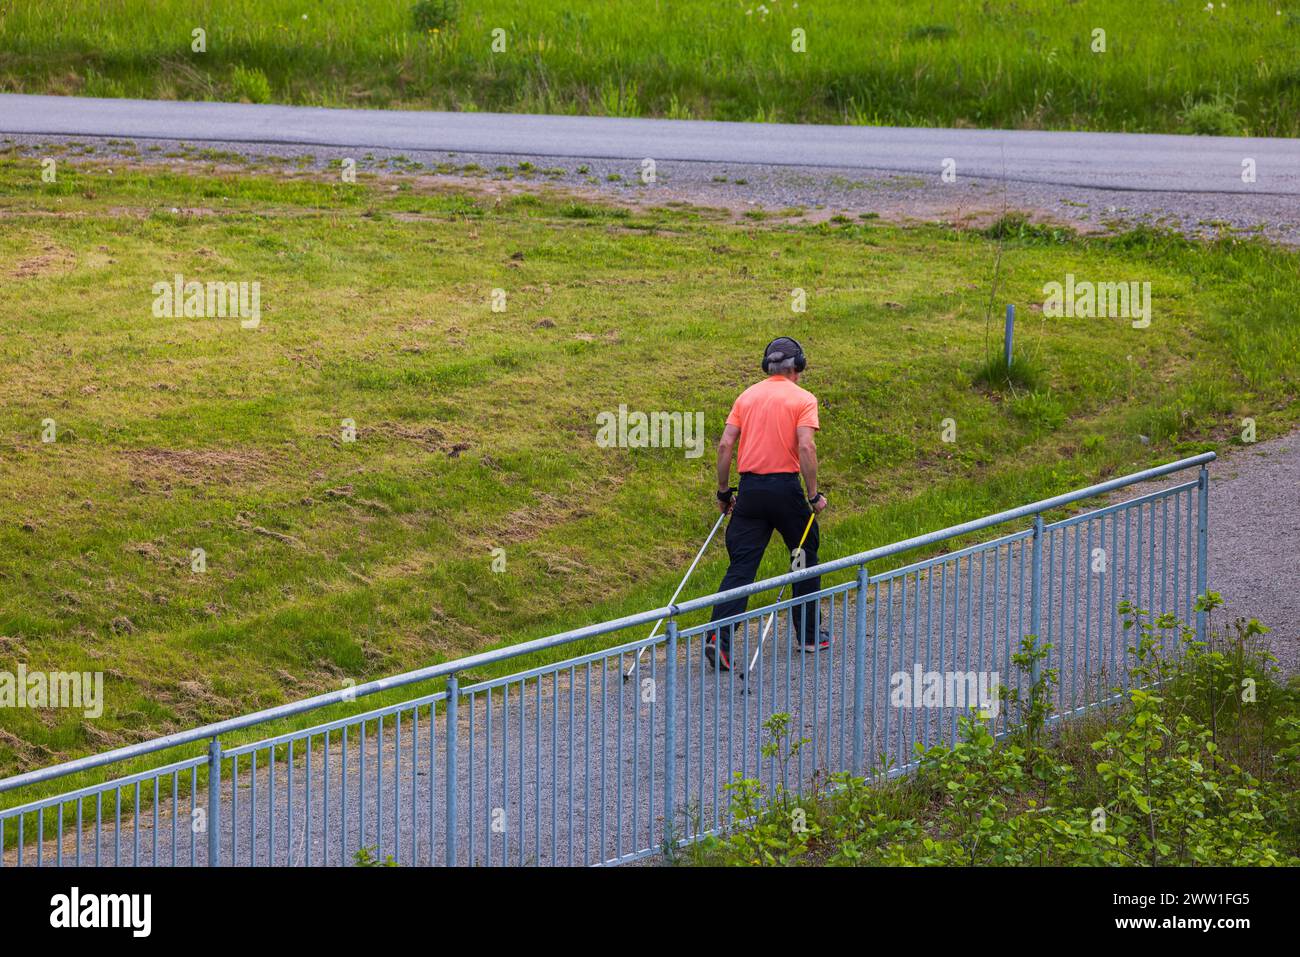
[764, 503]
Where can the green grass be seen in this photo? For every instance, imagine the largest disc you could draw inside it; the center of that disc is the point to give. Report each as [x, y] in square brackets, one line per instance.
[329, 560]
[1169, 66]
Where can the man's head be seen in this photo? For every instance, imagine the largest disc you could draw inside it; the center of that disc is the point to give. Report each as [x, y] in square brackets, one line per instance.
[784, 356]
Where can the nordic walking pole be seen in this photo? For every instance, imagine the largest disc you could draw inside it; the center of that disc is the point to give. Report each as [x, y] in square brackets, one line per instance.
[772, 617]
[654, 631]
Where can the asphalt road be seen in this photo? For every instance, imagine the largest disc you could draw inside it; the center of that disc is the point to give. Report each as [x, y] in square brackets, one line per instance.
[1112, 161]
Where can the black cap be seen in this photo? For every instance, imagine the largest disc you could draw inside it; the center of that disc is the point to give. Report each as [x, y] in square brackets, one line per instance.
[780, 349]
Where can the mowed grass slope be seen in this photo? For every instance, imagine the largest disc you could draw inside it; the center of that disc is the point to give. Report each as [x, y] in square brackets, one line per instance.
[330, 560]
[1168, 65]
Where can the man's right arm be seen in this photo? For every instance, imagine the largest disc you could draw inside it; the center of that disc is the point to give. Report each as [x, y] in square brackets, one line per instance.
[726, 449]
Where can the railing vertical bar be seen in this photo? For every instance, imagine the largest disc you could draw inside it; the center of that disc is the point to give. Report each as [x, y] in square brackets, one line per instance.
[695, 697]
[470, 832]
[1202, 544]
[343, 797]
[288, 810]
[1190, 552]
[940, 737]
[270, 805]
[1164, 555]
[818, 759]
[537, 763]
[1062, 533]
[1137, 589]
[214, 804]
[519, 765]
[1151, 559]
[1176, 565]
[970, 618]
[397, 786]
[604, 760]
[451, 742]
[982, 597]
[717, 743]
[361, 788]
[889, 667]
[586, 777]
[489, 819]
[573, 680]
[555, 761]
[379, 787]
[929, 662]
[744, 700]
[415, 787]
[234, 810]
[731, 711]
[670, 733]
[1087, 612]
[902, 752]
[433, 782]
[618, 760]
[252, 810]
[194, 803]
[505, 772]
[1036, 592]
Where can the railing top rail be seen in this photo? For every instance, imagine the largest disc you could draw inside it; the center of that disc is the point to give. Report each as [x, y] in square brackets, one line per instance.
[446, 668]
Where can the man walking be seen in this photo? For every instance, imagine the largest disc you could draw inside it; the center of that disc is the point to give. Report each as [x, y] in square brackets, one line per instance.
[774, 421]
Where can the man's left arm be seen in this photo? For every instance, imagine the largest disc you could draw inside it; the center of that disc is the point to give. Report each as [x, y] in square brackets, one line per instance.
[808, 465]
[809, 423]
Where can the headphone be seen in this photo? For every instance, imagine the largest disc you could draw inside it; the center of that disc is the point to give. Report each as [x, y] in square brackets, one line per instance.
[800, 362]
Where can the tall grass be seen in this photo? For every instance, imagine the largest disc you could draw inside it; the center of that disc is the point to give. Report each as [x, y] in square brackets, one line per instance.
[1169, 65]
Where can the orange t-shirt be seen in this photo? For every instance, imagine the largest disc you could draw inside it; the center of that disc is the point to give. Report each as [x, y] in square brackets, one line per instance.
[768, 414]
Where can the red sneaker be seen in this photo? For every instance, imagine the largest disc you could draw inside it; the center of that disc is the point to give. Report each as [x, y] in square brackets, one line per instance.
[717, 655]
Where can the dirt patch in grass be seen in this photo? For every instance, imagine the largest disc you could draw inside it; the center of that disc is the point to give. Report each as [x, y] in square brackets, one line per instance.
[524, 524]
[198, 466]
[52, 259]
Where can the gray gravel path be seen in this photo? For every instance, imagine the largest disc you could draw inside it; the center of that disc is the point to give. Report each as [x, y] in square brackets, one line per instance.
[1091, 181]
[1255, 541]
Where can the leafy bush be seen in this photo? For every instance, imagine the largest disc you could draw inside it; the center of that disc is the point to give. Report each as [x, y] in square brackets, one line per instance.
[1216, 116]
[1016, 225]
[1199, 766]
[996, 374]
[430, 15]
[367, 857]
[251, 85]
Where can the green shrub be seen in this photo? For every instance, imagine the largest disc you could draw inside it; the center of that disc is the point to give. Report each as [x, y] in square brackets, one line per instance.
[1198, 767]
[1214, 117]
[251, 85]
[996, 374]
[1016, 225]
[429, 15]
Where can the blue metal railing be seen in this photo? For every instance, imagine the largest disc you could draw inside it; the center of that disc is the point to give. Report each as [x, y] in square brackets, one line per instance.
[566, 763]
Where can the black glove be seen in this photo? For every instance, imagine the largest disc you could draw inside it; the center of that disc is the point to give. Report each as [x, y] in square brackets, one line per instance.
[725, 497]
